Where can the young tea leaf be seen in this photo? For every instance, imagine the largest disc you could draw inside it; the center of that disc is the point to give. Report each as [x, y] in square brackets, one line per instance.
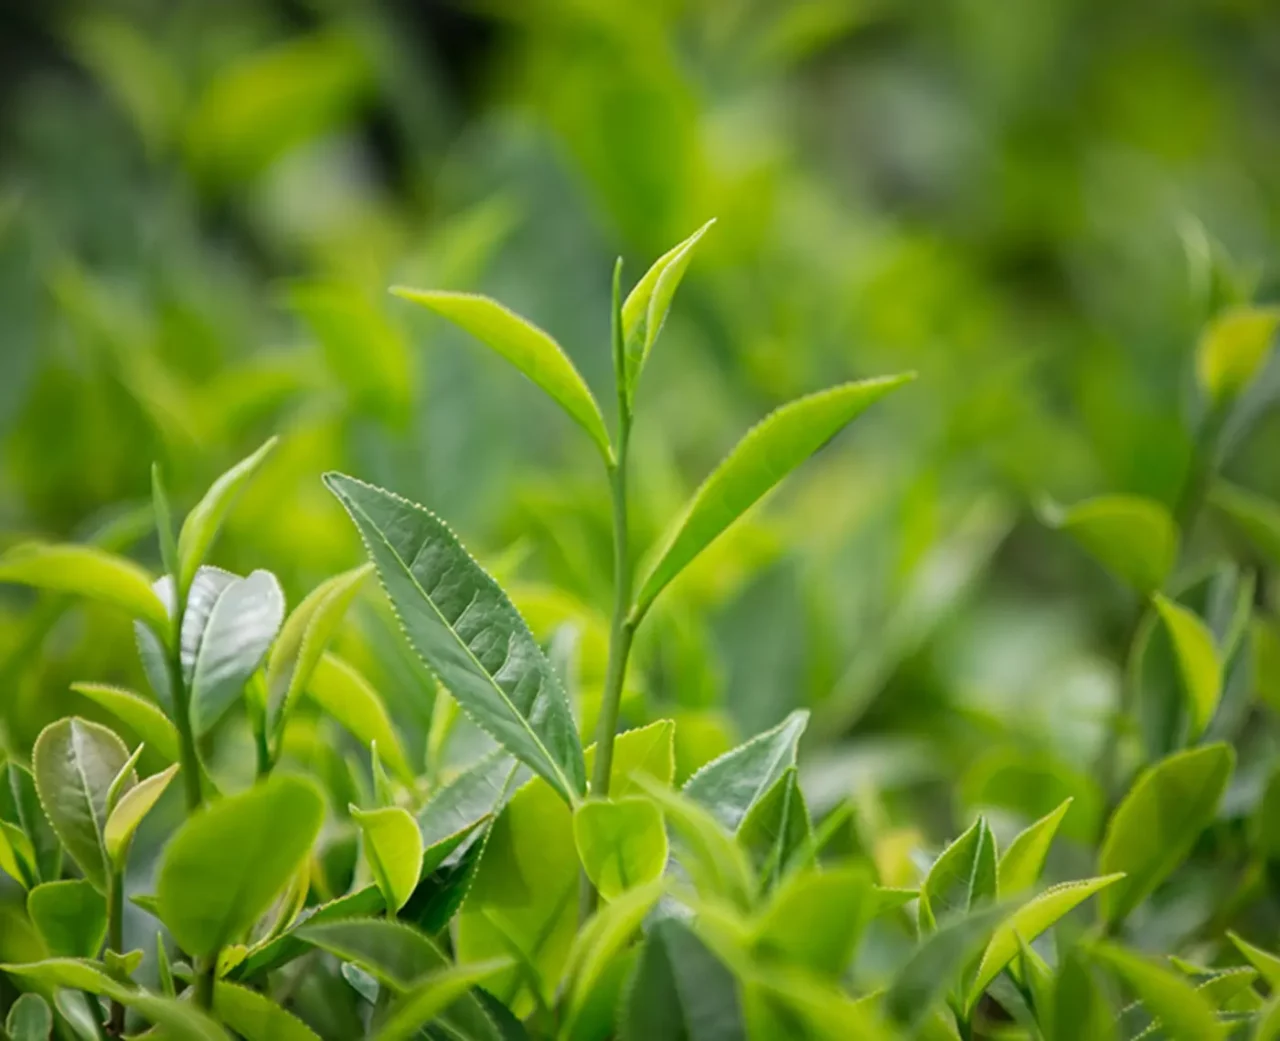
[128, 814]
[1257, 518]
[207, 586]
[71, 917]
[74, 762]
[963, 877]
[1233, 349]
[226, 864]
[1021, 864]
[1133, 537]
[816, 918]
[622, 843]
[433, 996]
[525, 346]
[1183, 1013]
[769, 451]
[393, 849]
[1198, 662]
[1080, 1010]
[1158, 821]
[350, 699]
[777, 831]
[141, 716]
[467, 630]
[87, 572]
[1267, 964]
[203, 523]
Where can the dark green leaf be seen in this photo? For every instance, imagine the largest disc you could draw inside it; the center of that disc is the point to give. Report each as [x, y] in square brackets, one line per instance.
[1257, 518]
[255, 1017]
[777, 831]
[962, 878]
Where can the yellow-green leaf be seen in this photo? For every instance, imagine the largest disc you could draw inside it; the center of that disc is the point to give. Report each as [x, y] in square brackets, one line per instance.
[255, 1017]
[622, 843]
[1267, 964]
[1233, 350]
[1021, 864]
[350, 699]
[143, 717]
[1133, 537]
[1198, 663]
[393, 848]
[769, 451]
[430, 998]
[524, 345]
[1257, 517]
[135, 804]
[1183, 1013]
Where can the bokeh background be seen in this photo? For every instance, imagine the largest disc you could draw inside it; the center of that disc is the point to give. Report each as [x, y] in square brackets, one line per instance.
[1034, 205]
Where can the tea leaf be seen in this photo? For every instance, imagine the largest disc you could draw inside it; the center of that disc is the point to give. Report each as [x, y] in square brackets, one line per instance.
[963, 876]
[208, 585]
[347, 696]
[32, 823]
[394, 953]
[204, 522]
[225, 865]
[935, 965]
[1021, 864]
[1183, 1013]
[769, 451]
[1080, 1011]
[393, 848]
[1268, 1028]
[777, 830]
[88, 572]
[29, 1019]
[467, 630]
[255, 1017]
[240, 630]
[304, 637]
[17, 858]
[735, 782]
[1133, 537]
[142, 717]
[681, 991]
[1256, 516]
[433, 996]
[1159, 820]
[128, 814]
[1198, 662]
[1028, 922]
[74, 762]
[525, 346]
[646, 306]
[282, 949]
[71, 917]
[1267, 964]
[476, 793]
[1233, 349]
[622, 843]
[816, 918]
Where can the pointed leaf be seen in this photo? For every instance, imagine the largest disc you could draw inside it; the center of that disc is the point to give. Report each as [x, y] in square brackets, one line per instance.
[525, 346]
[646, 306]
[1257, 517]
[681, 991]
[255, 1017]
[777, 831]
[1133, 537]
[467, 630]
[1028, 922]
[816, 919]
[1021, 864]
[478, 792]
[31, 821]
[284, 948]
[769, 451]
[963, 876]
[17, 858]
[240, 631]
[304, 637]
[74, 763]
[1080, 1010]
[29, 1019]
[208, 585]
[203, 523]
[1233, 350]
[226, 864]
[430, 999]
[1183, 1013]
[350, 699]
[1267, 964]
[394, 953]
[71, 917]
[622, 843]
[141, 716]
[1198, 662]
[128, 814]
[393, 848]
[1158, 822]
[732, 784]
[87, 572]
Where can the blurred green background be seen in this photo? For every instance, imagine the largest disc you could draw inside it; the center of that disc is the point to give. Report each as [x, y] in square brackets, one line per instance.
[1035, 205]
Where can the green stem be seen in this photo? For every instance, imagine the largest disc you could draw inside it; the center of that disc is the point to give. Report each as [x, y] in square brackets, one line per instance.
[205, 979]
[115, 941]
[188, 754]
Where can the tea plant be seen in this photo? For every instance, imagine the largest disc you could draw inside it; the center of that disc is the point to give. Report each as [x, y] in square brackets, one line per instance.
[554, 890]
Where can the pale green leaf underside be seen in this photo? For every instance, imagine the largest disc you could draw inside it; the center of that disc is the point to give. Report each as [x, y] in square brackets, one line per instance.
[530, 349]
[465, 628]
[769, 451]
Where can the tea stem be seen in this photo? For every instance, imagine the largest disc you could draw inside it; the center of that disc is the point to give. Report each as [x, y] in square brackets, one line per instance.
[115, 941]
[189, 756]
[205, 980]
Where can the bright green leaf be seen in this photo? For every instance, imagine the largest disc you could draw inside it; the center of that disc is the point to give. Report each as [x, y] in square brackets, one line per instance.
[1080, 1010]
[305, 636]
[525, 346]
[1233, 349]
[622, 843]
[1184, 1014]
[350, 699]
[433, 996]
[393, 848]
[1133, 537]
[816, 918]
[769, 451]
[1028, 922]
[1198, 662]
[1159, 820]
[777, 831]
[255, 1017]
[17, 857]
[227, 863]
[1267, 964]
[71, 917]
[74, 762]
[203, 523]
[31, 822]
[963, 877]
[87, 572]
[128, 814]
[1021, 864]
[141, 716]
[646, 306]
[466, 629]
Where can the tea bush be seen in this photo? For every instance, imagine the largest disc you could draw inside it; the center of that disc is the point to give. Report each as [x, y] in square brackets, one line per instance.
[539, 868]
